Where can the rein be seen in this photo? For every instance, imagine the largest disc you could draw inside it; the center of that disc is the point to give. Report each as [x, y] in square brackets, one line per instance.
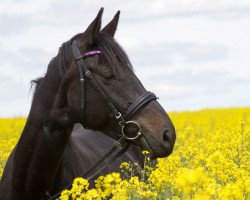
[116, 151]
[122, 144]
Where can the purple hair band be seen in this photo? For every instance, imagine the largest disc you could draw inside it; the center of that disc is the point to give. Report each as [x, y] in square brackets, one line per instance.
[92, 53]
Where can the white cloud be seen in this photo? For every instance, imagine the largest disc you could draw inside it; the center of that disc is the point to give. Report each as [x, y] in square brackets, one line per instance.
[191, 53]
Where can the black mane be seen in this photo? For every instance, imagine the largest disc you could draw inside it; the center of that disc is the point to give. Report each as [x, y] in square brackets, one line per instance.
[112, 52]
[35, 83]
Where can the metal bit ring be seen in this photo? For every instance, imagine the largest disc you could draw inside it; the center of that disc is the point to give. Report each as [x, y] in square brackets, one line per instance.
[138, 133]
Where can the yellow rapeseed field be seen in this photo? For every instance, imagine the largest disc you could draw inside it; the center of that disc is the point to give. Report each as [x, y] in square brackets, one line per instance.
[211, 160]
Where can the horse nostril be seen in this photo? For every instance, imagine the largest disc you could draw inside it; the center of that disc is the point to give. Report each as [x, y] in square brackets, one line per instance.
[166, 136]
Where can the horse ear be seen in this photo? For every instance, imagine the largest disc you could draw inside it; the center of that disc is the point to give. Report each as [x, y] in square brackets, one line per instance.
[94, 28]
[111, 27]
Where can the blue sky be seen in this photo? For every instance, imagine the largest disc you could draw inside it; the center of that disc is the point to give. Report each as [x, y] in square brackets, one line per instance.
[193, 54]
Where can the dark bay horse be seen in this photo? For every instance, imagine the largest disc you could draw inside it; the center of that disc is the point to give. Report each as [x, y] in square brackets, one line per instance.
[91, 82]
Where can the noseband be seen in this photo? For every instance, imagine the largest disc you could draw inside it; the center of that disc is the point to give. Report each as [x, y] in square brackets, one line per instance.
[121, 116]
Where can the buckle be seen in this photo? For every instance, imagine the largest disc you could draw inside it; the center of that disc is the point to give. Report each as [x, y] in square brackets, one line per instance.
[118, 115]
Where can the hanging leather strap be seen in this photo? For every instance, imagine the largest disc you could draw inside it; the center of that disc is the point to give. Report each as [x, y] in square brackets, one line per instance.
[120, 147]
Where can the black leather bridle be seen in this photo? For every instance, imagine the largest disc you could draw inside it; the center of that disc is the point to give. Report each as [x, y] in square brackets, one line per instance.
[123, 117]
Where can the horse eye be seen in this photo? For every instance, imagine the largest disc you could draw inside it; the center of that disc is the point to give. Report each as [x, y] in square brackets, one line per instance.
[108, 76]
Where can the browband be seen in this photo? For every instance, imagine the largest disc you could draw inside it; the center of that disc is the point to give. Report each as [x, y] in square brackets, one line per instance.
[92, 53]
[89, 53]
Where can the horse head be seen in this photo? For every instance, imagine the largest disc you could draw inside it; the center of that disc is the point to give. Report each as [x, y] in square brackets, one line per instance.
[103, 93]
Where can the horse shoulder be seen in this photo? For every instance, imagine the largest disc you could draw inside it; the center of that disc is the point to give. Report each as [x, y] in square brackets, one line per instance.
[85, 148]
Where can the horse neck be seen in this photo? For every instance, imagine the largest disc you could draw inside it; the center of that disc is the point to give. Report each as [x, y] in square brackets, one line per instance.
[39, 152]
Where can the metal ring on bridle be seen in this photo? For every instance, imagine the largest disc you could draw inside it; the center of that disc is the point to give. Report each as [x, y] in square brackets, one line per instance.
[138, 133]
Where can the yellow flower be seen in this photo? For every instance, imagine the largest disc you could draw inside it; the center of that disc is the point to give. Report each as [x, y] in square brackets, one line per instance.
[65, 195]
[211, 160]
[144, 152]
[125, 165]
